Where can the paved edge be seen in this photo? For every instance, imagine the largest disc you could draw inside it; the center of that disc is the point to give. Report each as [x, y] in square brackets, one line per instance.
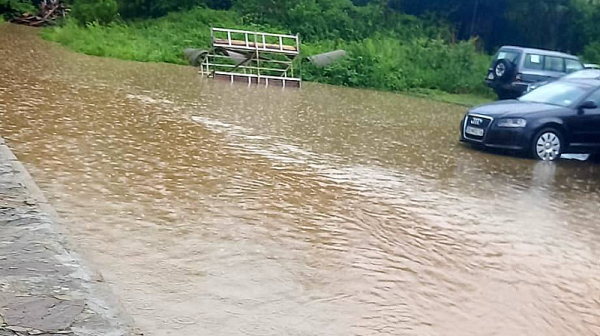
[100, 294]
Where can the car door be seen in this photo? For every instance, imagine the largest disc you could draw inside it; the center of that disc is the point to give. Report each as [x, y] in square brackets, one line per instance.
[585, 125]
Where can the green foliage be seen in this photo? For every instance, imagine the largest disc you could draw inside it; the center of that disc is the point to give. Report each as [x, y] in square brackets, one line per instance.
[592, 53]
[317, 20]
[160, 40]
[389, 64]
[401, 60]
[156, 8]
[100, 11]
[15, 7]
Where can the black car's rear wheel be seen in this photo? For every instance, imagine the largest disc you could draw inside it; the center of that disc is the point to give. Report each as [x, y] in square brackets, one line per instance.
[547, 145]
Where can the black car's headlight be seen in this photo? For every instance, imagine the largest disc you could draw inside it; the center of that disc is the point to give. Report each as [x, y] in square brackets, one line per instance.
[512, 122]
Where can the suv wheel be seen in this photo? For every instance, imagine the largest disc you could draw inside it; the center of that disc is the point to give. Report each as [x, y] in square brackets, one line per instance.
[502, 70]
[547, 145]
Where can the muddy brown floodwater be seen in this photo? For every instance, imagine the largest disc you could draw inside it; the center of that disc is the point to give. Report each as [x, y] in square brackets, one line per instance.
[219, 209]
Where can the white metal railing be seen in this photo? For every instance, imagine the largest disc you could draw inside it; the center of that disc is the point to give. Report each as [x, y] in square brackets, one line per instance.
[259, 58]
[259, 80]
[263, 60]
[291, 79]
[256, 41]
[265, 66]
[245, 67]
[295, 37]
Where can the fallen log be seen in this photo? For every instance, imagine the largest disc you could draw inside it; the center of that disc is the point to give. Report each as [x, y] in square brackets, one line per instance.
[48, 12]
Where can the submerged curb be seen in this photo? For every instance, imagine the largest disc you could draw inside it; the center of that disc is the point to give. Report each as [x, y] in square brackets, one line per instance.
[45, 287]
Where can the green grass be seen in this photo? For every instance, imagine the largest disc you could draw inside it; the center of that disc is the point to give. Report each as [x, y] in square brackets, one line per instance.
[464, 99]
[159, 40]
[432, 68]
[385, 63]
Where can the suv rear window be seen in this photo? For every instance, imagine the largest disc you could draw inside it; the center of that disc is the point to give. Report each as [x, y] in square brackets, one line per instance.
[508, 55]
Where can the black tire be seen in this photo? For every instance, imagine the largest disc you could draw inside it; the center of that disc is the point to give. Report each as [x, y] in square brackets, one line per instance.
[502, 70]
[547, 151]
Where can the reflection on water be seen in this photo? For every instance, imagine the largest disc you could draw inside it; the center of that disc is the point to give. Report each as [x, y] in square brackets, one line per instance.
[214, 209]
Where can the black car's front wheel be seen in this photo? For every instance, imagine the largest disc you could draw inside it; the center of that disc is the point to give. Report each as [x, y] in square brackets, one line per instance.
[547, 145]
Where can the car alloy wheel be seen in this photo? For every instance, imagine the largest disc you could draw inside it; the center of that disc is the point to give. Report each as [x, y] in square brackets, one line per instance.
[548, 146]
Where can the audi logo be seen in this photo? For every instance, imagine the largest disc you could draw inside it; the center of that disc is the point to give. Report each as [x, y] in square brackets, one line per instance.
[476, 121]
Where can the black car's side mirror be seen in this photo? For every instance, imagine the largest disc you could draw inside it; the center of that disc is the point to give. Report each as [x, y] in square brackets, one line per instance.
[588, 105]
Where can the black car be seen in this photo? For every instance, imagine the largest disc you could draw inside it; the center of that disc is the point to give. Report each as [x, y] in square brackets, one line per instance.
[514, 69]
[556, 118]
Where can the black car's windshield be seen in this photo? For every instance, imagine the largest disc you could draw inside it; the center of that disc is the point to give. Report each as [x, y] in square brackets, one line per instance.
[558, 93]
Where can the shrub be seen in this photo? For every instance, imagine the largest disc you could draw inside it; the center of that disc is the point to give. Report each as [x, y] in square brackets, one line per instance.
[157, 40]
[101, 11]
[157, 8]
[15, 7]
[591, 53]
[390, 64]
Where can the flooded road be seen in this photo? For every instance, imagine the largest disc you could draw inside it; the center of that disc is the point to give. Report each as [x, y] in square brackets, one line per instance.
[214, 209]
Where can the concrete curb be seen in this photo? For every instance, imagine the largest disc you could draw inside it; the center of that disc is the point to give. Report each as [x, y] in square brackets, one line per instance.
[99, 297]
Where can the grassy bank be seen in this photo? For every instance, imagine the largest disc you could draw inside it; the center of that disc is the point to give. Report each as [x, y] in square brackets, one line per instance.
[154, 40]
[412, 61]
[463, 99]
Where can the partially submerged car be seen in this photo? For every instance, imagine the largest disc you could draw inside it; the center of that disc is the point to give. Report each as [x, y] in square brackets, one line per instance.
[556, 118]
[514, 69]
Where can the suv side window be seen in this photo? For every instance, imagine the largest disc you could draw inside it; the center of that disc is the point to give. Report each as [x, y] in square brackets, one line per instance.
[534, 62]
[573, 65]
[556, 64]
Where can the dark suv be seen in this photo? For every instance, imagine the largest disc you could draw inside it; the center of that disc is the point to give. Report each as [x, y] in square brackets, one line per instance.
[514, 69]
